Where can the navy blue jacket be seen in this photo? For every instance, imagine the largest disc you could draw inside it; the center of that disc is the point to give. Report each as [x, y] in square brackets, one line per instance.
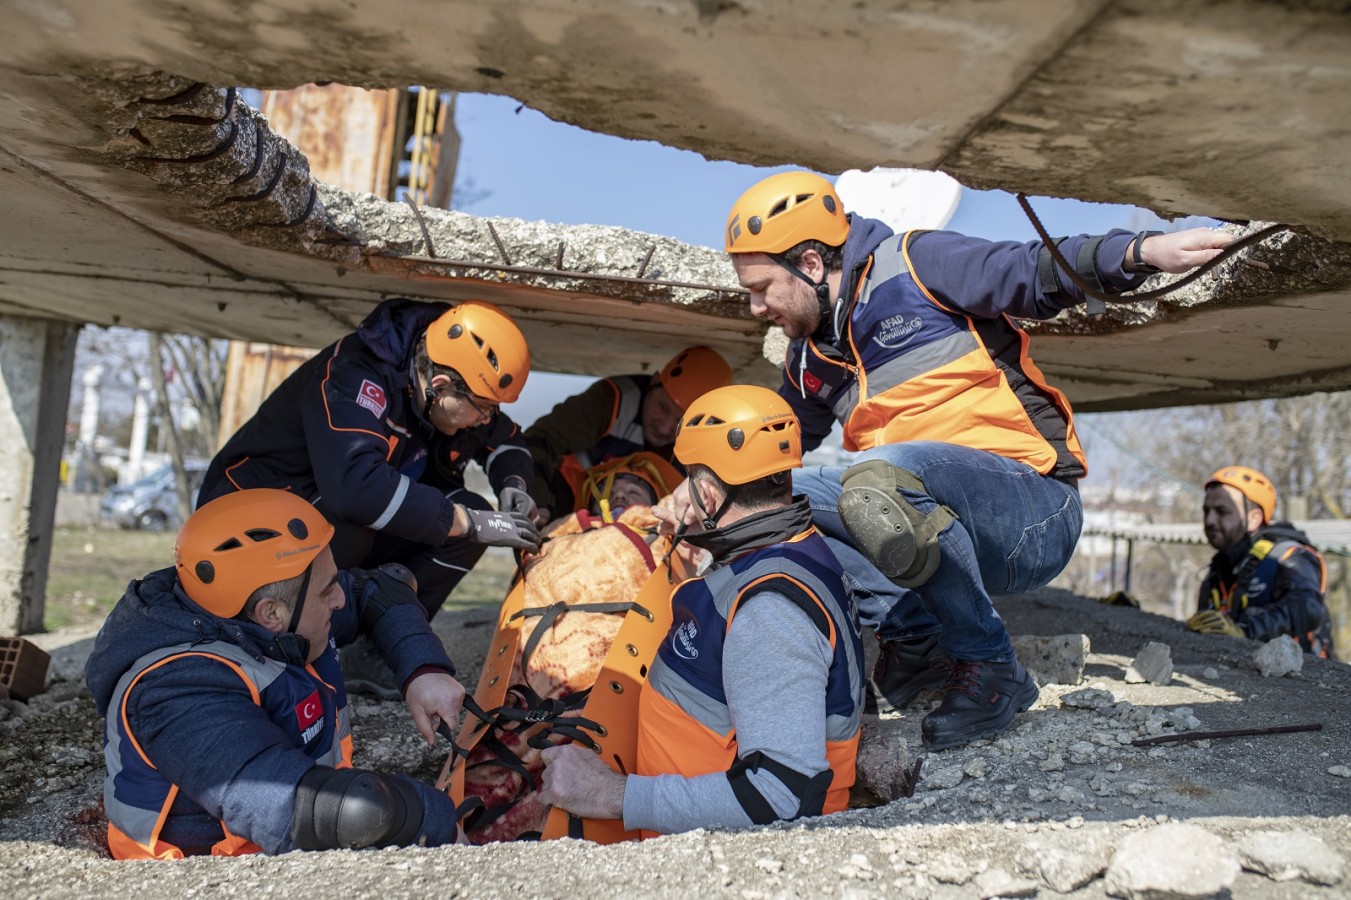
[199, 726]
[346, 432]
[983, 279]
[1280, 594]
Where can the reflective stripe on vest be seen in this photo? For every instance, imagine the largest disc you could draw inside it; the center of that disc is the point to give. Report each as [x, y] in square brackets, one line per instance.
[1256, 575]
[684, 726]
[137, 798]
[926, 372]
[624, 435]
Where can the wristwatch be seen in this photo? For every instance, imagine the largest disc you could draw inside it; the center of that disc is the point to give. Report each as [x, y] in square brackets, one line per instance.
[1138, 264]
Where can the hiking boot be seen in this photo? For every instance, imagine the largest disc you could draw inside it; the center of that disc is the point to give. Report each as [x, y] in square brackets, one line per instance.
[906, 669]
[365, 672]
[982, 699]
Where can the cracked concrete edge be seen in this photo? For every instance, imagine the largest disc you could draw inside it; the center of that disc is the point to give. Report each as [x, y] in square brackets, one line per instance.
[217, 158]
[211, 152]
[1286, 264]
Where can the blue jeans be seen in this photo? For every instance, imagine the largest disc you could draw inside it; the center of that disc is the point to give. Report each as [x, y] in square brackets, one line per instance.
[1015, 531]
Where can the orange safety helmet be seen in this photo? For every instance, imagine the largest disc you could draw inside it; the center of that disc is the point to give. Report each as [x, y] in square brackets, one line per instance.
[741, 432]
[1251, 484]
[237, 543]
[784, 210]
[484, 345]
[659, 474]
[693, 372]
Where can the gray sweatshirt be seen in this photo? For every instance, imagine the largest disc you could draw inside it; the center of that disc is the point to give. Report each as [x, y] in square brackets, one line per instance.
[775, 665]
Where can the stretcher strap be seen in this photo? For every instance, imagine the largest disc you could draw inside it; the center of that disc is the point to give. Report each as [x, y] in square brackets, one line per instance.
[613, 702]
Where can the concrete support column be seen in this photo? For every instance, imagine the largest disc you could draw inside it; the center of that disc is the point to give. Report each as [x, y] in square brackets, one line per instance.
[37, 358]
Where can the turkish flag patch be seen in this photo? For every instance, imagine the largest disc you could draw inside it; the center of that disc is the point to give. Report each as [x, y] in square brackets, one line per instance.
[811, 382]
[372, 396]
[309, 710]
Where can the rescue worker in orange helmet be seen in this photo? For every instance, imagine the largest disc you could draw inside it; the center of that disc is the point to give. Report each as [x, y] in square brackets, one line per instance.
[615, 417]
[967, 478]
[1265, 579]
[228, 729]
[751, 709]
[376, 431]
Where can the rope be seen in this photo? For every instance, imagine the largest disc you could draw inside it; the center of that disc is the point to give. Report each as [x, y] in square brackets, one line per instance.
[1158, 294]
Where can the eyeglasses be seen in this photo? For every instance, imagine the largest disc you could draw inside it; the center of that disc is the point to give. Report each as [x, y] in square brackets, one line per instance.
[486, 414]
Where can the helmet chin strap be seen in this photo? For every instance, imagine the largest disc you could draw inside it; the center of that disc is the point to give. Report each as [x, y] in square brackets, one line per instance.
[710, 521]
[300, 601]
[429, 393]
[821, 288]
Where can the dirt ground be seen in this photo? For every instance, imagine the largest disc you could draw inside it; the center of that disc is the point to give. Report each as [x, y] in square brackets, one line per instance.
[1044, 809]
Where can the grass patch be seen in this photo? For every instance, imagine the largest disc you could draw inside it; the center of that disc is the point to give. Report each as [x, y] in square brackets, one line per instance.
[91, 567]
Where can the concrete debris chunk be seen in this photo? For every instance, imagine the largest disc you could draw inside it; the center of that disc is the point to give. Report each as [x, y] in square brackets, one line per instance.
[1287, 855]
[949, 869]
[1088, 698]
[999, 883]
[1279, 656]
[882, 768]
[949, 777]
[1053, 659]
[1173, 860]
[1340, 771]
[1064, 871]
[1154, 664]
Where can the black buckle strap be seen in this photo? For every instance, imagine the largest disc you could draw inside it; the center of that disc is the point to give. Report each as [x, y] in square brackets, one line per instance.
[547, 716]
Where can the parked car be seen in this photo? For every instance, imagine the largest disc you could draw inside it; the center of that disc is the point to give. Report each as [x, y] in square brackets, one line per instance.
[151, 504]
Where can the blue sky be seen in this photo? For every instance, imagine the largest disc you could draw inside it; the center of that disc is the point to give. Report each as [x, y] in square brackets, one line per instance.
[531, 167]
[517, 162]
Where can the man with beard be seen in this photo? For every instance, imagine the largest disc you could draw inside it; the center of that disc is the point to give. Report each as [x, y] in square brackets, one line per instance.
[1265, 579]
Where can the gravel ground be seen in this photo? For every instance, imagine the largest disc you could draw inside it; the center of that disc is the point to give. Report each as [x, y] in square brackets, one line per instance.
[1062, 803]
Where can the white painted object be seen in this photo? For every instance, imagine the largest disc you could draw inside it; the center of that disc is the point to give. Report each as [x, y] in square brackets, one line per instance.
[903, 198]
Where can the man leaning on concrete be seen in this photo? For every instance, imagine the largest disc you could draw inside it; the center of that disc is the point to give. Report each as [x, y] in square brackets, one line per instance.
[967, 483]
[1265, 579]
[228, 730]
[751, 710]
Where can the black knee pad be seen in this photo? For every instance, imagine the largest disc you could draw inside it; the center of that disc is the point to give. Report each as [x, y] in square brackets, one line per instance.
[353, 808]
[897, 538]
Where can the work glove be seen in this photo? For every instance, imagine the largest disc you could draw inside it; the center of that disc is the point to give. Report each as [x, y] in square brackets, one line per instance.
[1120, 598]
[502, 529]
[1212, 621]
[514, 499]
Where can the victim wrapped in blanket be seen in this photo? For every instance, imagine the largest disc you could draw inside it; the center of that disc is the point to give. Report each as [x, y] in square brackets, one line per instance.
[559, 624]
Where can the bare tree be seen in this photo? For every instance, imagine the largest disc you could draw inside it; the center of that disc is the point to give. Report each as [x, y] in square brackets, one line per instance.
[201, 364]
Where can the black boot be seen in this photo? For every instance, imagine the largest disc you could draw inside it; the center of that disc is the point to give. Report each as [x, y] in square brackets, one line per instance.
[906, 669]
[982, 699]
